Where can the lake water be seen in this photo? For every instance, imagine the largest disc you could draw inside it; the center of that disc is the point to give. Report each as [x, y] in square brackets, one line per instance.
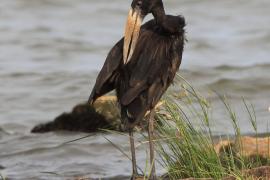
[51, 51]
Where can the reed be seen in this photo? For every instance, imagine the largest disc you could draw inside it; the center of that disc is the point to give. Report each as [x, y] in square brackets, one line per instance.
[189, 151]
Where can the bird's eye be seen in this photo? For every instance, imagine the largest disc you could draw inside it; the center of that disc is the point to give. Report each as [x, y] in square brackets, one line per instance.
[139, 3]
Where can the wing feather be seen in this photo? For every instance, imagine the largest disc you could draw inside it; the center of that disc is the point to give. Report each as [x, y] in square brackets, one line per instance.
[151, 68]
[109, 73]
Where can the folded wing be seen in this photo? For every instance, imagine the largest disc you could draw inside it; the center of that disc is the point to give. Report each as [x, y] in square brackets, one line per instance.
[109, 74]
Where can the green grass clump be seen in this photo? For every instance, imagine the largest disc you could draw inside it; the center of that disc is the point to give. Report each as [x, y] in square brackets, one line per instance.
[187, 151]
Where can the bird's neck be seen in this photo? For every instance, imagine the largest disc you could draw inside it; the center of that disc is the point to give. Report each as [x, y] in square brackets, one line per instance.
[159, 14]
[166, 24]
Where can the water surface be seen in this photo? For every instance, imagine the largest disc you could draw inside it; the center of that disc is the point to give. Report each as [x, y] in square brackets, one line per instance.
[51, 51]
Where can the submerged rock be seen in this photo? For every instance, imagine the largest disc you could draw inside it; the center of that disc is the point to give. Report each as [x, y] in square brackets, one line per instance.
[104, 114]
[85, 118]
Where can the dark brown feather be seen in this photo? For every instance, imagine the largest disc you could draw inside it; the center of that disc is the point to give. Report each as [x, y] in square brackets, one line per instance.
[151, 70]
[109, 74]
[141, 83]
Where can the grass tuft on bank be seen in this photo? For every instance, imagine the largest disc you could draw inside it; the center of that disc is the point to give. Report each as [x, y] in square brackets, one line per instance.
[189, 151]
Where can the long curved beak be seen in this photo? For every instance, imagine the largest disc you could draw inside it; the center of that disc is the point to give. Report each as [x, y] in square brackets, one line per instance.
[132, 32]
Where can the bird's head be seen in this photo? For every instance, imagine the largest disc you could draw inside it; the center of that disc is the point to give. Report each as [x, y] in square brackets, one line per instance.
[139, 9]
[146, 6]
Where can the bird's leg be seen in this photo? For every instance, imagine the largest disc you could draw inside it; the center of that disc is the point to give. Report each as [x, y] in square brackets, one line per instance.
[132, 148]
[151, 144]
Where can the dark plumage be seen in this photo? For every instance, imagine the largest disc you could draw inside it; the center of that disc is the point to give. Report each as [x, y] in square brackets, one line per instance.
[141, 82]
[142, 65]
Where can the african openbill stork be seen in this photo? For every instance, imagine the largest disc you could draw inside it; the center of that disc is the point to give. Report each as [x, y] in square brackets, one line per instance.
[141, 66]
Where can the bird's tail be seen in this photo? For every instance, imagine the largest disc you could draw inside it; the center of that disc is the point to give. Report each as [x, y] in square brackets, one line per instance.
[131, 118]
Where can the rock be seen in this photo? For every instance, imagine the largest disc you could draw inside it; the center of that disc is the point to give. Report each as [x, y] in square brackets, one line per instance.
[85, 118]
[247, 146]
[221, 145]
[197, 179]
[251, 151]
[250, 148]
[253, 146]
[258, 173]
[108, 107]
